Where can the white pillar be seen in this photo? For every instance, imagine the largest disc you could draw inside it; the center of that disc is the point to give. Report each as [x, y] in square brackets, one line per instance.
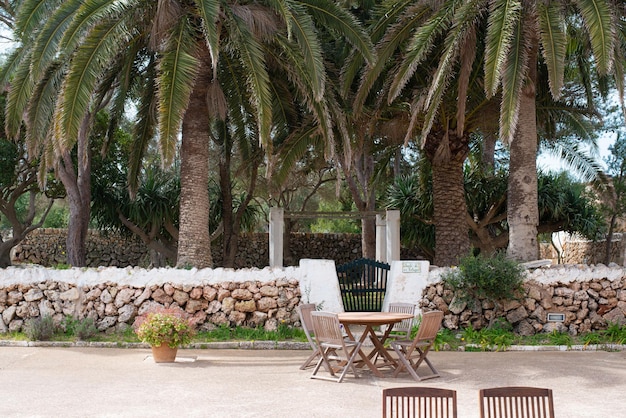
[381, 239]
[393, 235]
[277, 225]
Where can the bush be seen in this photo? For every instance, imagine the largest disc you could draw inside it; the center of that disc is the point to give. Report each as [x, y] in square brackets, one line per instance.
[40, 328]
[83, 329]
[496, 278]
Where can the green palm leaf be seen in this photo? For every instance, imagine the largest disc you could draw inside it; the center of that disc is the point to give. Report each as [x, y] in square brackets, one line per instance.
[598, 19]
[48, 40]
[209, 11]
[31, 14]
[421, 43]
[342, 22]
[177, 72]
[89, 62]
[513, 77]
[397, 35]
[554, 42]
[144, 129]
[257, 80]
[85, 17]
[306, 35]
[42, 104]
[504, 17]
[20, 91]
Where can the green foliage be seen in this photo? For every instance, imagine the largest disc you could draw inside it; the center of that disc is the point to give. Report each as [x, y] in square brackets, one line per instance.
[41, 328]
[495, 278]
[81, 328]
[616, 333]
[339, 226]
[564, 205]
[560, 338]
[58, 217]
[169, 326]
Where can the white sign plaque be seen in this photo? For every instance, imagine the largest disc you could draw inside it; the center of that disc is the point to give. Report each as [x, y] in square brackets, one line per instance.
[411, 267]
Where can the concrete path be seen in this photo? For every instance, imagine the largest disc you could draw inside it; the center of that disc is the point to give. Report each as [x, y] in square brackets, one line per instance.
[110, 382]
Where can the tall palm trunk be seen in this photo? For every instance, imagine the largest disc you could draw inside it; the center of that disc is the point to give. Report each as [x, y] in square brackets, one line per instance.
[447, 154]
[522, 206]
[194, 245]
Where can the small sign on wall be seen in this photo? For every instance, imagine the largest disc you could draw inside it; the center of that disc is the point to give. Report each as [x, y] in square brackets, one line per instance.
[411, 267]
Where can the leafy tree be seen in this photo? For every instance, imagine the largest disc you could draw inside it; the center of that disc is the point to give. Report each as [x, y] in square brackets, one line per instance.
[175, 54]
[18, 194]
[517, 37]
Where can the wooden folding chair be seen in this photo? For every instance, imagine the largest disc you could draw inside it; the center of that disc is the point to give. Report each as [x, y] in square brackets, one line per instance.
[419, 402]
[304, 311]
[516, 402]
[337, 352]
[411, 353]
[402, 330]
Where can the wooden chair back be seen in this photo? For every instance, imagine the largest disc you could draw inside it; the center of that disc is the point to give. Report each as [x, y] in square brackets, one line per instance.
[304, 311]
[419, 402]
[402, 329]
[516, 402]
[429, 327]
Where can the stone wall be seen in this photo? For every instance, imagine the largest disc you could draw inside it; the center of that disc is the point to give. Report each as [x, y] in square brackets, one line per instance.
[580, 251]
[589, 297]
[47, 247]
[266, 301]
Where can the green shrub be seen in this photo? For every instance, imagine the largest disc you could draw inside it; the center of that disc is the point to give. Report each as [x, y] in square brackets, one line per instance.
[85, 329]
[495, 278]
[41, 328]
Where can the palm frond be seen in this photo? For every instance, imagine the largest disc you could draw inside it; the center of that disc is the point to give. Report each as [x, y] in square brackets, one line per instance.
[89, 12]
[143, 131]
[421, 43]
[503, 21]
[342, 22]
[48, 39]
[396, 35]
[554, 43]
[177, 72]
[514, 75]
[306, 35]
[88, 63]
[209, 12]
[257, 80]
[598, 18]
[20, 91]
[42, 105]
[12, 62]
[30, 16]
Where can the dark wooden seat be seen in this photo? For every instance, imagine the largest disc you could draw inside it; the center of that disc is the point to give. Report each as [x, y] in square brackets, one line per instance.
[419, 402]
[516, 402]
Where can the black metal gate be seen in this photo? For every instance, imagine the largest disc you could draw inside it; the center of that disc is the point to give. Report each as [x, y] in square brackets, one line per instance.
[363, 283]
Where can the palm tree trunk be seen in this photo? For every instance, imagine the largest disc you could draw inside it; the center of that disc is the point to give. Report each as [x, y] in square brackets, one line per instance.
[450, 209]
[522, 206]
[194, 244]
[446, 152]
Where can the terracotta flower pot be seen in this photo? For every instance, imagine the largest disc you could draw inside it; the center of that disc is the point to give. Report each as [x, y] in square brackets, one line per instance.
[164, 353]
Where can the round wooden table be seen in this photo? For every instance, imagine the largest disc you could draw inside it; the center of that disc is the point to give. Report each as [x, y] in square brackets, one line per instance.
[371, 320]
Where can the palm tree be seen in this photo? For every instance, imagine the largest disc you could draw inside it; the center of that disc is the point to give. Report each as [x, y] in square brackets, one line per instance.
[173, 52]
[513, 33]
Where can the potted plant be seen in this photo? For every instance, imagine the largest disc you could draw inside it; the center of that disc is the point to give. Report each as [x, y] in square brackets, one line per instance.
[165, 330]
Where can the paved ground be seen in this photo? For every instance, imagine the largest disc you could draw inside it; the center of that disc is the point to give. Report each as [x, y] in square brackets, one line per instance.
[110, 382]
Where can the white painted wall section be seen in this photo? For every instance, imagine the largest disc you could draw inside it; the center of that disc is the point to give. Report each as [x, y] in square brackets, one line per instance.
[406, 282]
[319, 284]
